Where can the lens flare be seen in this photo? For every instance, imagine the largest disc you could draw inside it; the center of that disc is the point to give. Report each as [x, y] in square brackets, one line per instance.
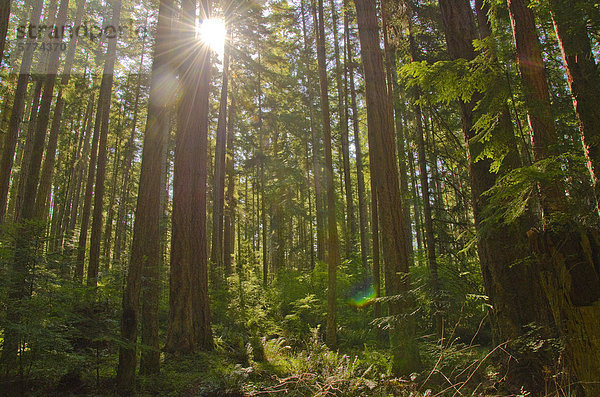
[363, 297]
[212, 32]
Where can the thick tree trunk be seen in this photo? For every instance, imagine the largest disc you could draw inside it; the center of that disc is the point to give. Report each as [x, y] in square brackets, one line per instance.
[384, 174]
[568, 255]
[96, 233]
[333, 255]
[146, 247]
[4, 19]
[189, 315]
[570, 24]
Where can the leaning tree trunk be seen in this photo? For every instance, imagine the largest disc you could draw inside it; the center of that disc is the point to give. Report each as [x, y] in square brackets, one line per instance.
[333, 255]
[384, 174]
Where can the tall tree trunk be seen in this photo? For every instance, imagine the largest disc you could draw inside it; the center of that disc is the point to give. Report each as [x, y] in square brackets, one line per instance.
[570, 24]
[345, 144]
[315, 142]
[384, 173]
[189, 314]
[360, 178]
[146, 247]
[512, 286]
[229, 226]
[333, 255]
[568, 255]
[43, 194]
[4, 19]
[216, 255]
[10, 139]
[96, 233]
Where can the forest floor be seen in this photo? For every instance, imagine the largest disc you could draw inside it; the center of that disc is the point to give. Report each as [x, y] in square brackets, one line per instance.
[276, 368]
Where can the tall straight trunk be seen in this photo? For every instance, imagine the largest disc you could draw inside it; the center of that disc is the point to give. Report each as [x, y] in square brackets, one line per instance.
[229, 226]
[568, 255]
[80, 167]
[570, 24]
[96, 232]
[333, 255]
[384, 174]
[376, 249]
[146, 246]
[10, 139]
[360, 178]
[424, 179]
[41, 125]
[394, 92]
[43, 194]
[216, 255]
[24, 152]
[4, 19]
[512, 286]
[315, 142]
[189, 315]
[89, 186]
[345, 144]
[111, 205]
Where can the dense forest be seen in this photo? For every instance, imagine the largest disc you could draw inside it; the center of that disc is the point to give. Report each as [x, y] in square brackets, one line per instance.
[300, 197]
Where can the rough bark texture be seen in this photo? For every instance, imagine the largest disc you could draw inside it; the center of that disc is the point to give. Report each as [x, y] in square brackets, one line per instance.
[146, 248]
[386, 181]
[570, 24]
[4, 18]
[509, 281]
[333, 255]
[189, 315]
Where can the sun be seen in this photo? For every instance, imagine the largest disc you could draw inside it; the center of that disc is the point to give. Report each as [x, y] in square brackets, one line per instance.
[212, 32]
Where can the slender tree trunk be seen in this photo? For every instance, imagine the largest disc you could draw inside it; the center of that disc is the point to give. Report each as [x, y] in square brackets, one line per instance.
[345, 145]
[315, 142]
[360, 179]
[10, 139]
[384, 173]
[229, 226]
[189, 315]
[146, 247]
[96, 233]
[216, 256]
[333, 255]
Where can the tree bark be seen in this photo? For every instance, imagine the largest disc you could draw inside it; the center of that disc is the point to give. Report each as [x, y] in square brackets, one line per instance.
[189, 315]
[10, 139]
[360, 178]
[333, 255]
[96, 233]
[146, 247]
[229, 226]
[4, 19]
[570, 24]
[216, 256]
[384, 174]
